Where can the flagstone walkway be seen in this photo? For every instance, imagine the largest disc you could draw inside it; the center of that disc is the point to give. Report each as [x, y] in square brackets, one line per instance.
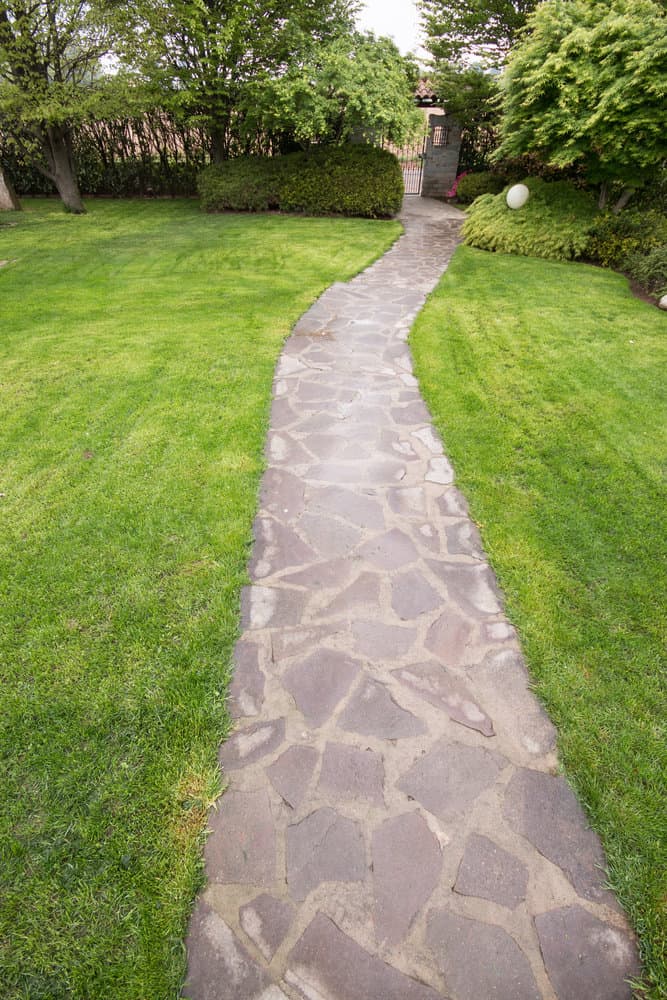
[395, 827]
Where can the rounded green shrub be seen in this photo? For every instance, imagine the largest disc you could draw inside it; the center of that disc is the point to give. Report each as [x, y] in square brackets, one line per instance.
[354, 180]
[473, 185]
[554, 223]
[634, 231]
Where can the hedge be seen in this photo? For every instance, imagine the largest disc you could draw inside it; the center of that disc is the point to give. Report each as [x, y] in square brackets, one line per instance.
[354, 180]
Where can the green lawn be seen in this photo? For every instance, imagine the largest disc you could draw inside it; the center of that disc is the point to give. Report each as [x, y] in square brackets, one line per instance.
[547, 382]
[137, 346]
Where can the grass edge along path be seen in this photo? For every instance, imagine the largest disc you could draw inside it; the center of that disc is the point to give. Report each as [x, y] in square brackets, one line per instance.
[546, 382]
[137, 351]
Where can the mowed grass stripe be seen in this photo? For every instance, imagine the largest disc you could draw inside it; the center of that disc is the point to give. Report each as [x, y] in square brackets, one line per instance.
[547, 382]
[137, 349]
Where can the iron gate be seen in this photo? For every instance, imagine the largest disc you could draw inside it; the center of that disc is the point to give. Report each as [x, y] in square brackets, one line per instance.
[411, 159]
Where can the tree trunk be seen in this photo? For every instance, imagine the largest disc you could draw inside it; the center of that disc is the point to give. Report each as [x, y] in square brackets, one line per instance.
[623, 200]
[57, 147]
[602, 201]
[8, 200]
[218, 145]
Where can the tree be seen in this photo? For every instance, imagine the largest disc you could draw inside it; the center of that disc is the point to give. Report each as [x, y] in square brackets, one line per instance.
[50, 56]
[470, 95]
[587, 86]
[355, 84]
[210, 56]
[482, 30]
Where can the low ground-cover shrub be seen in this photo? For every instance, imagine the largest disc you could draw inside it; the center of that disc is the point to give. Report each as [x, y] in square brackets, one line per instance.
[554, 224]
[473, 185]
[633, 231]
[336, 180]
[649, 269]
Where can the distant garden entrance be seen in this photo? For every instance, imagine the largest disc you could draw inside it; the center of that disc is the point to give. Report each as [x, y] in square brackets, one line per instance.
[430, 163]
[412, 164]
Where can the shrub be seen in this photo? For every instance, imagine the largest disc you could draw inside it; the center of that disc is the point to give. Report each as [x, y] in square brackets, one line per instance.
[632, 232]
[554, 223]
[649, 269]
[473, 185]
[335, 180]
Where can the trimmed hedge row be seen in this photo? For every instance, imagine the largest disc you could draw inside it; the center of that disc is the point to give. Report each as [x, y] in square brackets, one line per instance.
[354, 180]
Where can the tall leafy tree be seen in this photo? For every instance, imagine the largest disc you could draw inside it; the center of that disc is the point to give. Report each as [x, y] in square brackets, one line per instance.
[211, 56]
[461, 30]
[355, 84]
[50, 55]
[587, 87]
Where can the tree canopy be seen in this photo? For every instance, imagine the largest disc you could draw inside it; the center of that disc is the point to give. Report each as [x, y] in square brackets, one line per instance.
[460, 30]
[587, 86]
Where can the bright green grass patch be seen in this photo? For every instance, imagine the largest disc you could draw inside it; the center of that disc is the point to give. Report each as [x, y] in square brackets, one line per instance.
[547, 381]
[137, 347]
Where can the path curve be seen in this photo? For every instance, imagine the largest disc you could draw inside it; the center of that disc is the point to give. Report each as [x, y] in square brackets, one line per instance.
[395, 827]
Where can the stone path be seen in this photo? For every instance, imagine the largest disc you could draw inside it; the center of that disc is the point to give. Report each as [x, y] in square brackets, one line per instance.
[395, 827]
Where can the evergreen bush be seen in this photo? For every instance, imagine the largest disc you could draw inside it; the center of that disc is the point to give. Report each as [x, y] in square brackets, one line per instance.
[353, 179]
[553, 224]
[473, 185]
[634, 231]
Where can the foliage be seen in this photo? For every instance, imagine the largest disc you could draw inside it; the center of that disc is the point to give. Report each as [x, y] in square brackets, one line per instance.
[210, 58]
[354, 85]
[50, 59]
[473, 185]
[347, 180]
[484, 29]
[649, 269]
[586, 85]
[546, 380]
[614, 237]
[137, 356]
[554, 223]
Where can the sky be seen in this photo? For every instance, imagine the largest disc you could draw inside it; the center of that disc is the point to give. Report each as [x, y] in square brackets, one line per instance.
[397, 18]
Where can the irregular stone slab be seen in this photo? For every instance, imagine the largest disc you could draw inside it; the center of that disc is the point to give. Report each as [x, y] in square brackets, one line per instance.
[287, 643]
[452, 639]
[372, 711]
[390, 551]
[319, 682]
[242, 848]
[219, 967]
[327, 536]
[360, 509]
[408, 500]
[585, 957]
[437, 687]
[412, 596]
[282, 494]
[448, 779]
[349, 773]
[377, 472]
[429, 439]
[429, 537]
[327, 964]
[321, 576]
[407, 861]
[439, 471]
[489, 872]
[249, 744]
[452, 503]
[498, 632]
[463, 539]
[413, 413]
[544, 810]
[377, 640]
[262, 607]
[472, 587]
[266, 921]
[276, 548]
[284, 449]
[364, 591]
[246, 691]
[479, 960]
[504, 673]
[290, 774]
[323, 847]
[282, 414]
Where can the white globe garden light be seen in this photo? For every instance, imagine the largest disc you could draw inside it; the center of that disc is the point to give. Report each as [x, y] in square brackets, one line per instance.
[517, 196]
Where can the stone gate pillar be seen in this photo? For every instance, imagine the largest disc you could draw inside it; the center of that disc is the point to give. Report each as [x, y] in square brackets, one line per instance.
[441, 158]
